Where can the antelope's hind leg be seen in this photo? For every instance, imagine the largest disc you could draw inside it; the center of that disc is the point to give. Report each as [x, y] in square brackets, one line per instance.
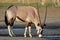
[9, 25]
[10, 31]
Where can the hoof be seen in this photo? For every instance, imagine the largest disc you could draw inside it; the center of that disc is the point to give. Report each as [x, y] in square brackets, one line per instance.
[24, 35]
[11, 35]
[30, 35]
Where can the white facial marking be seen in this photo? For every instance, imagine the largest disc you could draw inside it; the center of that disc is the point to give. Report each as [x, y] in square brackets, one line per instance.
[40, 35]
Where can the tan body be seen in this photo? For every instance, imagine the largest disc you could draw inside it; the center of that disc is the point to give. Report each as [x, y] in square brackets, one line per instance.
[26, 14]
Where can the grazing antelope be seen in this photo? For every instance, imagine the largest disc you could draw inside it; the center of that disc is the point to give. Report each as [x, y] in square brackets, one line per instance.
[26, 14]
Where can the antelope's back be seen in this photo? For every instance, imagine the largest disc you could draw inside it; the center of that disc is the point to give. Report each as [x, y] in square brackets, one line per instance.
[26, 12]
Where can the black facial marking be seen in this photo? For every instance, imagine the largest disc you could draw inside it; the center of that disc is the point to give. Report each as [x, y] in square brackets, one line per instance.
[38, 24]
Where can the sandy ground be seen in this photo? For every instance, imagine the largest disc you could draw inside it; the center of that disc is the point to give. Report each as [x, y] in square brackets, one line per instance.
[49, 33]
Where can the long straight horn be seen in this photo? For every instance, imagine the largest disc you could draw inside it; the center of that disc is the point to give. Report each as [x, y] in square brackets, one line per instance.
[38, 13]
[44, 23]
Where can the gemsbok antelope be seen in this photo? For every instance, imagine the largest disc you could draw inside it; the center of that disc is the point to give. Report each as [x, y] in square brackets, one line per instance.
[27, 14]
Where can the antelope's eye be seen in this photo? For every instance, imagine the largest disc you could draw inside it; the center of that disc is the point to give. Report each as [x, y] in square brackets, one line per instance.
[38, 24]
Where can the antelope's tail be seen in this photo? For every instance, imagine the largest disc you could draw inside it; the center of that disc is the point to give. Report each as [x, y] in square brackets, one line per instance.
[6, 20]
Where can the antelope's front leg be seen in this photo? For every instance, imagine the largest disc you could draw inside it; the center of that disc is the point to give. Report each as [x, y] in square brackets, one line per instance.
[25, 31]
[30, 31]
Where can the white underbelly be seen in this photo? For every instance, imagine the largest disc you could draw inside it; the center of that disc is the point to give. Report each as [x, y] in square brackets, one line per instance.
[17, 19]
